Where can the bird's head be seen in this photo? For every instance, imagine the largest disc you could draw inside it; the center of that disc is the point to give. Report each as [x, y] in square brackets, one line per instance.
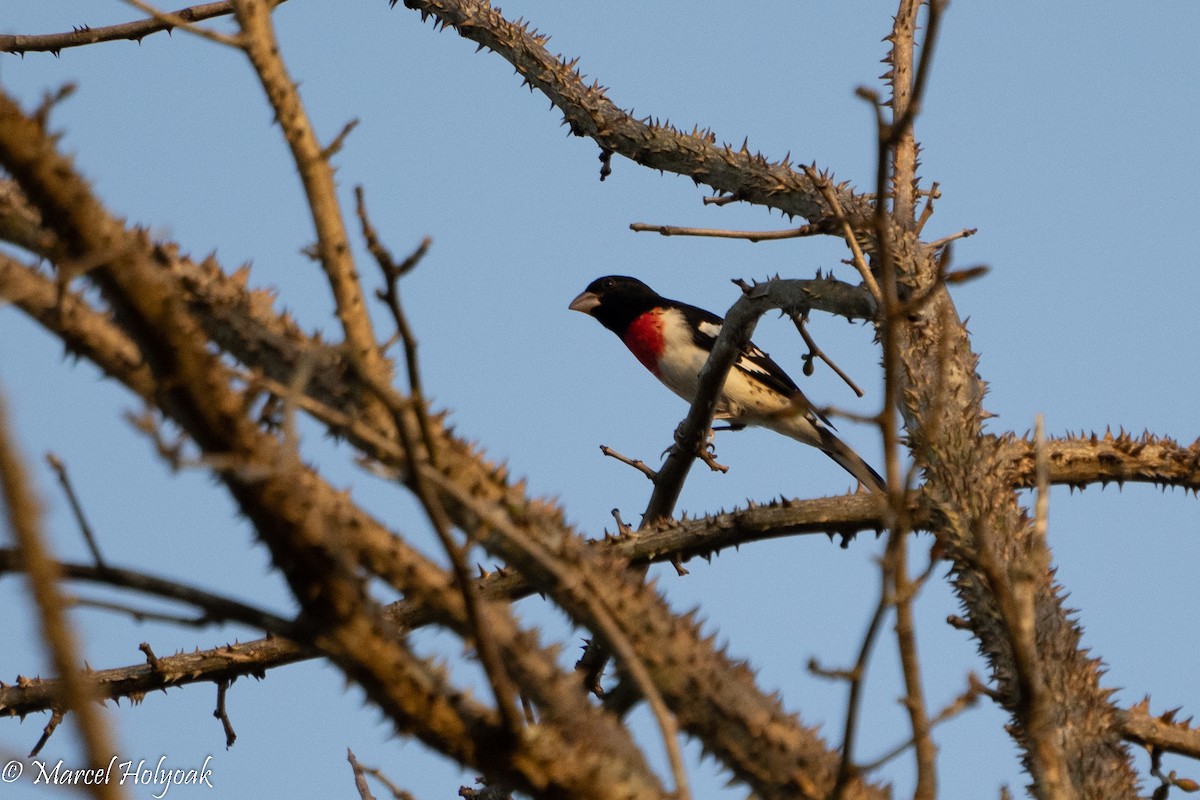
[616, 300]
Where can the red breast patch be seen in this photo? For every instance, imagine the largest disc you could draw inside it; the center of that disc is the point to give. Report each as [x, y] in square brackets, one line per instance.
[644, 338]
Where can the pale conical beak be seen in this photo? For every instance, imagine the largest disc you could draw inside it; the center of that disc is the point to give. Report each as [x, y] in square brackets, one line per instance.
[585, 302]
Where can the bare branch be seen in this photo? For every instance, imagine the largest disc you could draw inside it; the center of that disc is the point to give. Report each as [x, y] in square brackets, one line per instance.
[856, 676]
[77, 688]
[223, 715]
[333, 246]
[750, 236]
[132, 31]
[64, 480]
[903, 591]
[814, 351]
[825, 186]
[636, 463]
[1162, 732]
[216, 608]
[169, 20]
[743, 175]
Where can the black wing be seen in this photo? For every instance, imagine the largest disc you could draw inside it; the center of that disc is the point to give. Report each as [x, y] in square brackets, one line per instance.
[753, 362]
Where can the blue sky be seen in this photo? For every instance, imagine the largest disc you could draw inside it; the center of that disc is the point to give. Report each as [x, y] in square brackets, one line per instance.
[1063, 132]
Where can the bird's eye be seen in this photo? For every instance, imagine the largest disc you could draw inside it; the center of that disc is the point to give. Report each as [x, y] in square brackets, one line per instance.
[608, 284]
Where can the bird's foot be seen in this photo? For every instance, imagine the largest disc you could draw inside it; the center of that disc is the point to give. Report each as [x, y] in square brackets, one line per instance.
[708, 454]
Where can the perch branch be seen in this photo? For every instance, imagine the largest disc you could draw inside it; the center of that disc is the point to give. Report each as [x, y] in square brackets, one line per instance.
[132, 31]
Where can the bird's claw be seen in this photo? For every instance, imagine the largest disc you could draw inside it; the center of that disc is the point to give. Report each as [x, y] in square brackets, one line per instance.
[708, 454]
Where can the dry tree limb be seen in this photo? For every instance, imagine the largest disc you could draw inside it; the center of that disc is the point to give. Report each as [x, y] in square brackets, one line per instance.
[172, 20]
[126, 31]
[636, 463]
[742, 175]
[333, 245]
[85, 528]
[968, 698]
[750, 236]
[903, 592]
[503, 691]
[596, 610]
[815, 351]
[77, 690]
[899, 146]
[215, 608]
[360, 778]
[858, 260]
[1163, 732]
[856, 677]
[928, 356]
[294, 511]
[222, 714]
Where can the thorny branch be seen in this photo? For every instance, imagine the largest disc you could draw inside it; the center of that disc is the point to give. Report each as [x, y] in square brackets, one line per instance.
[503, 690]
[131, 31]
[929, 377]
[76, 690]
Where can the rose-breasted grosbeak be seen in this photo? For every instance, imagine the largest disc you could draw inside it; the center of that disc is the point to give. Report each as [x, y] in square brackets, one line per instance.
[673, 340]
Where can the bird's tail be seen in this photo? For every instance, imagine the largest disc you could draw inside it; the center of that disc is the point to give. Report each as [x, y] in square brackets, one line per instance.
[850, 461]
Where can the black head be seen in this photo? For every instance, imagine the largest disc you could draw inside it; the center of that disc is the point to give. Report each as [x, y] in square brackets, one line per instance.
[616, 300]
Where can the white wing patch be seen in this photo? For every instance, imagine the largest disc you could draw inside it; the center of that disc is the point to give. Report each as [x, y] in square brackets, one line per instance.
[744, 361]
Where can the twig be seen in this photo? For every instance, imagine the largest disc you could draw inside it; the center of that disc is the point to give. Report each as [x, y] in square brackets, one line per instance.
[377, 774]
[934, 193]
[720, 233]
[390, 295]
[965, 233]
[847, 770]
[133, 31]
[724, 199]
[217, 608]
[1167, 779]
[825, 186]
[360, 779]
[896, 154]
[335, 146]
[903, 592]
[968, 698]
[151, 659]
[64, 480]
[223, 715]
[56, 718]
[503, 689]
[174, 20]
[816, 352]
[636, 463]
[1041, 472]
[136, 614]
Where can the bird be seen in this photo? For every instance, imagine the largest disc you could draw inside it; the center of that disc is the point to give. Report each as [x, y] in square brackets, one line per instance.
[673, 340]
